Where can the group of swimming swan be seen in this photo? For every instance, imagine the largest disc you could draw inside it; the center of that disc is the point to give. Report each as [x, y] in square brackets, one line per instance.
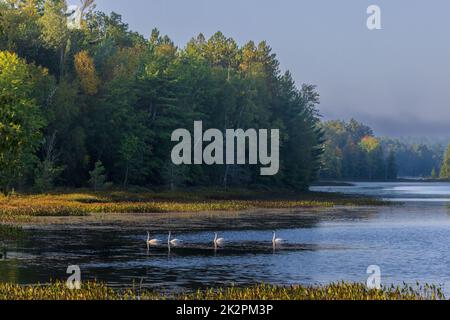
[217, 241]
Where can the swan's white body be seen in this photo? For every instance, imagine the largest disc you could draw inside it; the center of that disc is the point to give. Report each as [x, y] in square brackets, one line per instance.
[173, 242]
[276, 240]
[152, 242]
[218, 241]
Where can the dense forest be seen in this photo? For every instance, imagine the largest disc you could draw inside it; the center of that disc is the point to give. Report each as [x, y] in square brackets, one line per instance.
[353, 152]
[85, 101]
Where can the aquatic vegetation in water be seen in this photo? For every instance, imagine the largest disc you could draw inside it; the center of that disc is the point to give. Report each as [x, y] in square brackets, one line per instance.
[335, 291]
[17, 208]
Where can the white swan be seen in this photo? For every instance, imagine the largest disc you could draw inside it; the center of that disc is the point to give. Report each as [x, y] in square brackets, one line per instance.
[276, 240]
[152, 242]
[173, 242]
[218, 241]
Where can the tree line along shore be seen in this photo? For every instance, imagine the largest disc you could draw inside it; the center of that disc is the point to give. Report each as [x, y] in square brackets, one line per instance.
[87, 102]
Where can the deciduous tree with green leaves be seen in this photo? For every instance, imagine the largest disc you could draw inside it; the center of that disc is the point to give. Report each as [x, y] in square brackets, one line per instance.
[119, 96]
[20, 118]
[55, 33]
[445, 169]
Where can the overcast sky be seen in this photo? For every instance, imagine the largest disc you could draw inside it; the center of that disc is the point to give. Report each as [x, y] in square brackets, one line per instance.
[396, 80]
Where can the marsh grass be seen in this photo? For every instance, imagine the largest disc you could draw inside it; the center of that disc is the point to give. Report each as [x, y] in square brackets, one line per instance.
[336, 291]
[18, 208]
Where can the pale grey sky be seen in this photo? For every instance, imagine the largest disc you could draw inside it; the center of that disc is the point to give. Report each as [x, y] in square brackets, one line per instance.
[396, 79]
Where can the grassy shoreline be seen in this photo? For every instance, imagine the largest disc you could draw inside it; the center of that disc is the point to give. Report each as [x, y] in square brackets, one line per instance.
[18, 208]
[334, 291]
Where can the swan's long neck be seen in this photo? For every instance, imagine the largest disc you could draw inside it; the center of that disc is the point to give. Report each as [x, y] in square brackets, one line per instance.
[215, 237]
[168, 238]
[274, 237]
[148, 236]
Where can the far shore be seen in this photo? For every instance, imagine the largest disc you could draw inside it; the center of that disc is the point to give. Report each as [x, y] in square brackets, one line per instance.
[351, 183]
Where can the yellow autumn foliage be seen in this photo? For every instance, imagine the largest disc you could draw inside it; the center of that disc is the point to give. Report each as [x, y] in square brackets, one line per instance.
[85, 69]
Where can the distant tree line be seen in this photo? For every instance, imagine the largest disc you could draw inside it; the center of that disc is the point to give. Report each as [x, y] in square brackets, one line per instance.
[91, 101]
[352, 152]
[416, 159]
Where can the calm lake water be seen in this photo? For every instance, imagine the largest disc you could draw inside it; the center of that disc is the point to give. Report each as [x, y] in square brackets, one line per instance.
[409, 241]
